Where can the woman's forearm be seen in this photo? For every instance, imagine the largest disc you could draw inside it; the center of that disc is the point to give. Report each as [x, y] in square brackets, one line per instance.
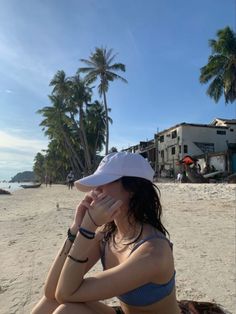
[75, 266]
[55, 270]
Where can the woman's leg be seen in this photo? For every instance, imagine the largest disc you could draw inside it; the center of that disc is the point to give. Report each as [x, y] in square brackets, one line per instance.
[45, 306]
[84, 308]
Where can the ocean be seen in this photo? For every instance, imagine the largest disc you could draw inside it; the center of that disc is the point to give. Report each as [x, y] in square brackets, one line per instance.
[11, 187]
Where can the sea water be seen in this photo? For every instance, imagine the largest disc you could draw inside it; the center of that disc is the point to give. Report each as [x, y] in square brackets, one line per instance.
[12, 186]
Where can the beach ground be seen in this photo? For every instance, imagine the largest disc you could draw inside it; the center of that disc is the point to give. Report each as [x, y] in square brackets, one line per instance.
[201, 220]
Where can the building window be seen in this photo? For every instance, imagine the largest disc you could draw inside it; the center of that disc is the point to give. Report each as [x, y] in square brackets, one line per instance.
[162, 138]
[180, 149]
[231, 130]
[174, 134]
[185, 149]
[220, 132]
[173, 150]
[162, 154]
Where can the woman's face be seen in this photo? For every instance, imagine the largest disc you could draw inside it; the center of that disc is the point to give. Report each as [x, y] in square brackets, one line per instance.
[115, 189]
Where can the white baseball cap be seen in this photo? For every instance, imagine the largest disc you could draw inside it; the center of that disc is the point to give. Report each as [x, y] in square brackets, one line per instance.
[113, 167]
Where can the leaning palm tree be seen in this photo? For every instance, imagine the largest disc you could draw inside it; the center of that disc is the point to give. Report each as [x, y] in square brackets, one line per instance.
[100, 66]
[221, 67]
[56, 125]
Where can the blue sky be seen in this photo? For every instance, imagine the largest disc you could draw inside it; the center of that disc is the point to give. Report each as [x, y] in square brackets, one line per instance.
[163, 44]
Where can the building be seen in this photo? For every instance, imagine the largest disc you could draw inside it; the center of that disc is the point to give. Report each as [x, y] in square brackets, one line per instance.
[145, 148]
[213, 144]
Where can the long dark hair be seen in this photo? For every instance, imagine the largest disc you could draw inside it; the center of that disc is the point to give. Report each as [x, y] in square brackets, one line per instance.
[144, 205]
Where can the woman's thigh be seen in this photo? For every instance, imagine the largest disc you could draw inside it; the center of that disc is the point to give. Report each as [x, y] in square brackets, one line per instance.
[84, 308]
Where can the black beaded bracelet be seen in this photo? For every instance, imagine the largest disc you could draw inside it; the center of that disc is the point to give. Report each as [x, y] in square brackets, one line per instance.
[86, 233]
[77, 260]
[71, 236]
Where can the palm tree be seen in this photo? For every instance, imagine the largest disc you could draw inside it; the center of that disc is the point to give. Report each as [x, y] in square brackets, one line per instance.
[99, 66]
[57, 125]
[221, 67]
[96, 128]
[80, 95]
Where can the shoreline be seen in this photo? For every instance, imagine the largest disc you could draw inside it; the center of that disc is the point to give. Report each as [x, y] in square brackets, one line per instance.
[200, 218]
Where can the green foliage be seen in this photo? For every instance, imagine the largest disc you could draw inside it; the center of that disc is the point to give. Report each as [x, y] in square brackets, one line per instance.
[39, 167]
[220, 70]
[25, 176]
[77, 126]
[100, 67]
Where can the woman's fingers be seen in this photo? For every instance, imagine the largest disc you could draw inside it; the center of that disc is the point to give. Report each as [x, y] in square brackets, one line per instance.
[116, 206]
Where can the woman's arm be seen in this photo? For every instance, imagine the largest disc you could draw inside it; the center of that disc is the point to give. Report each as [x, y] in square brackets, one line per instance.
[55, 270]
[104, 209]
[146, 264]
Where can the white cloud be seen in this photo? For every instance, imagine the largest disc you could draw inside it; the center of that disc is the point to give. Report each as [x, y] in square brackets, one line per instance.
[22, 144]
[17, 153]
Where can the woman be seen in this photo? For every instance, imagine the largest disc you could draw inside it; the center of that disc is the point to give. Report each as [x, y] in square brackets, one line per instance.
[119, 222]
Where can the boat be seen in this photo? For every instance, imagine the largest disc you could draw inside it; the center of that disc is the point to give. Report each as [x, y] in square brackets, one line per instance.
[30, 186]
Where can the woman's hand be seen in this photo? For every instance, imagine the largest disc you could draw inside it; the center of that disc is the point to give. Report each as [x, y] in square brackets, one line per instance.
[81, 210]
[102, 209]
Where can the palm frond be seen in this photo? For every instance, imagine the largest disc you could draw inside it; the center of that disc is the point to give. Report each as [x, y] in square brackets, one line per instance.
[88, 62]
[113, 76]
[215, 89]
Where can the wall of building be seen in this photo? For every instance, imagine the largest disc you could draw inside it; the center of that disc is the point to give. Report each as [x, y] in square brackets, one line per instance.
[212, 135]
[193, 140]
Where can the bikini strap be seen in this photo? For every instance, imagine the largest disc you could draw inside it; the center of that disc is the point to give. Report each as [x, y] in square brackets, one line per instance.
[158, 236]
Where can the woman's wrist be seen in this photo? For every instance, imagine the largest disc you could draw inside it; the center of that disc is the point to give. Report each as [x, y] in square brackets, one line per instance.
[88, 224]
[74, 229]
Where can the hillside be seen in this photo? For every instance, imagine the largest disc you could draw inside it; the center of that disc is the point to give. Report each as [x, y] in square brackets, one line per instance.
[25, 176]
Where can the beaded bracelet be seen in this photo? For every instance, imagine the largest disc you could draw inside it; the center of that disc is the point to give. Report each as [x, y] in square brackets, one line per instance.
[71, 236]
[86, 233]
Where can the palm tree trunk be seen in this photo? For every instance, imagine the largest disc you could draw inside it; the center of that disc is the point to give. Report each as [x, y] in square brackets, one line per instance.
[72, 151]
[85, 141]
[107, 126]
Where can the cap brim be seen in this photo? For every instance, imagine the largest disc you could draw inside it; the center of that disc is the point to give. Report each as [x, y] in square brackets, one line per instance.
[88, 183]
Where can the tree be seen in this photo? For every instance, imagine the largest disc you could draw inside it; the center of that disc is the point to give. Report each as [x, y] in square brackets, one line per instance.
[221, 67]
[95, 128]
[38, 167]
[99, 66]
[75, 127]
[57, 126]
[113, 150]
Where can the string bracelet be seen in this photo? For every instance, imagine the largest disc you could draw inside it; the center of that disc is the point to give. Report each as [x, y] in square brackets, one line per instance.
[90, 216]
[77, 260]
[87, 233]
[71, 236]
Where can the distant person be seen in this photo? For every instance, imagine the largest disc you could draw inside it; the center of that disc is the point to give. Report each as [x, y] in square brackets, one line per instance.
[50, 181]
[179, 177]
[213, 169]
[70, 180]
[199, 168]
[46, 180]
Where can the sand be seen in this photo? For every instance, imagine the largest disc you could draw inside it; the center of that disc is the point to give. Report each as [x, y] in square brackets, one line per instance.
[201, 220]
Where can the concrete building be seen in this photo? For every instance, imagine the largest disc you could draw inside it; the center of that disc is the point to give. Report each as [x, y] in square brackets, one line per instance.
[213, 144]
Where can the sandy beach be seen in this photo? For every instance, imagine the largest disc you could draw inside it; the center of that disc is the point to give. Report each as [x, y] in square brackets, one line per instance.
[201, 220]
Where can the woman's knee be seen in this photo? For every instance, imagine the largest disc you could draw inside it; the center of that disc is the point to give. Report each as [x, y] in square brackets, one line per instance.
[45, 306]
